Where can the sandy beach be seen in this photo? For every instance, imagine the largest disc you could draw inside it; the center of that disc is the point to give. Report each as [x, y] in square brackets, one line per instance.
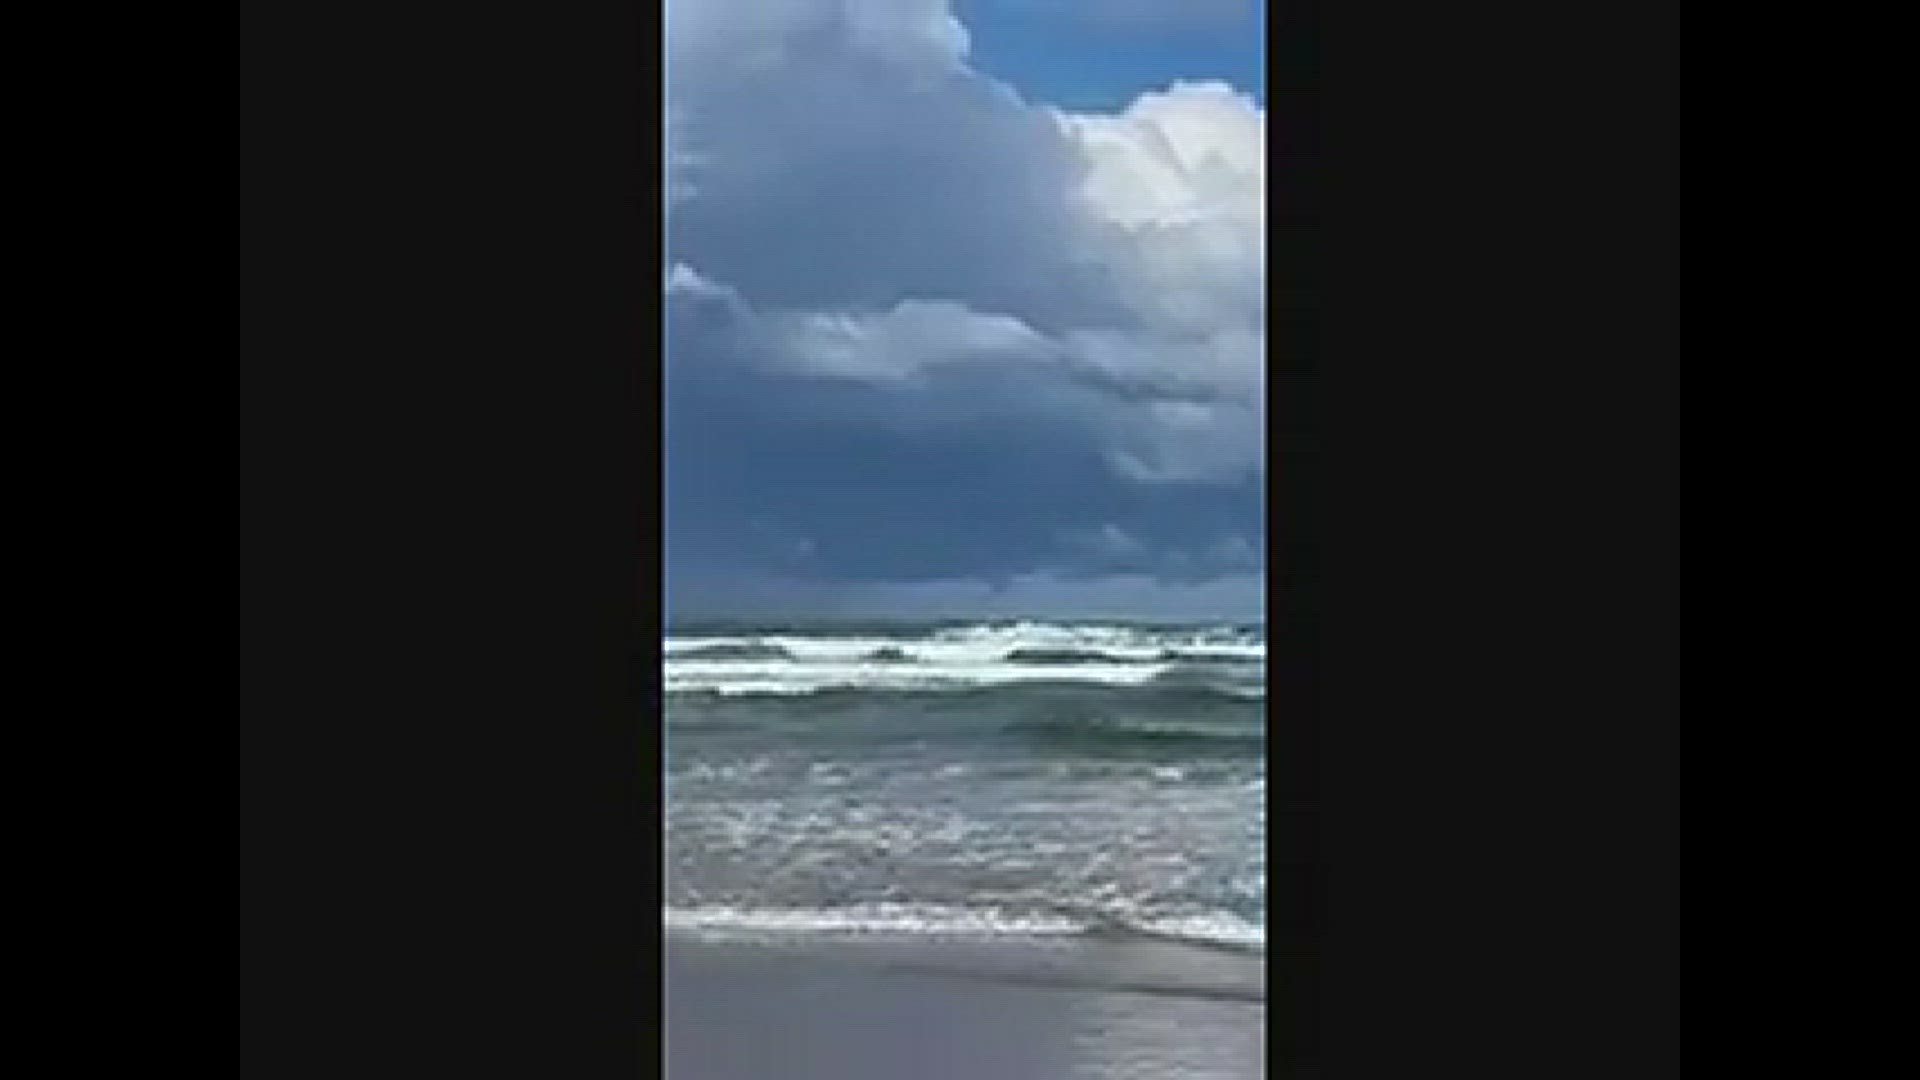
[863, 1009]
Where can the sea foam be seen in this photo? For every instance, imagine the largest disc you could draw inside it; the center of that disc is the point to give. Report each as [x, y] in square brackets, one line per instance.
[954, 658]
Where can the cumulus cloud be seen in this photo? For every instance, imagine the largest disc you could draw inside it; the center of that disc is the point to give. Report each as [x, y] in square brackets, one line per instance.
[880, 253]
[898, 343]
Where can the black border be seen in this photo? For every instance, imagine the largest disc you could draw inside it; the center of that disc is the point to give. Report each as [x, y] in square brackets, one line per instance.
[1296, 874]
[1499, 542]
[449, 553]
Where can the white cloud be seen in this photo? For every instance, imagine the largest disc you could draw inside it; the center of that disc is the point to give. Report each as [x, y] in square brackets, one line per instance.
[863, 206]
[684, 280]
[768, 33]
[912, 336]
[1194, 152]
[1176, 185]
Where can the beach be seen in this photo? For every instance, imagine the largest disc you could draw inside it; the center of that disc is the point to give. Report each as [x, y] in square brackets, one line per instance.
[996, 851]
[1076, 1008]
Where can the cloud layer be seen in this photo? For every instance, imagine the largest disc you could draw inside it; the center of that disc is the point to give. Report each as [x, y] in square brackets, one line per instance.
[923, 332]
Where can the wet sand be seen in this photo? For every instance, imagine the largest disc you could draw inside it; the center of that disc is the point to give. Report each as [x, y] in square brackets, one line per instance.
[1068, 1009]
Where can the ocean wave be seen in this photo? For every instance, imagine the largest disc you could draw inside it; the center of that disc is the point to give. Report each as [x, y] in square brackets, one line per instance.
[951, 658]
[1037, 724]
[1248, 682]
[1218, 929]
[908, 679]
[1070, 656]
[1039, 713]
[986, 640]
[918, 920]
[729, 650]
[962, 629]
[920, 676]
[1120, 732]
[1216, 656]
[955, 780]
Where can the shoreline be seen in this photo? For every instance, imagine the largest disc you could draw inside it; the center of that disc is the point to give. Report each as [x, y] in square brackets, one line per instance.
[1065, 1008]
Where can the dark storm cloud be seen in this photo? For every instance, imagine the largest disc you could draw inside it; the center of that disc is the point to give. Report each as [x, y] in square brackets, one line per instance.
[925, 338]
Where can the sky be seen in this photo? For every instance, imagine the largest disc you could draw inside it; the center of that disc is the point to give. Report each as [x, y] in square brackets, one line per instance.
[965, 308]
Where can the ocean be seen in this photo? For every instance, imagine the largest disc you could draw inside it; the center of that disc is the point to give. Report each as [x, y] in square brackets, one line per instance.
[1001, 780]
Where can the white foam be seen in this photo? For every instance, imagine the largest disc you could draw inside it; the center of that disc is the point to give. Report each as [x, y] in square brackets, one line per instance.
[934, 920]
[778, 677]
[911, 920]
[949, 658]
[1216, 927]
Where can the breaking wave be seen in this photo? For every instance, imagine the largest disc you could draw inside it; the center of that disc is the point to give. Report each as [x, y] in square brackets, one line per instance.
[953, 658]
[1218, 929]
